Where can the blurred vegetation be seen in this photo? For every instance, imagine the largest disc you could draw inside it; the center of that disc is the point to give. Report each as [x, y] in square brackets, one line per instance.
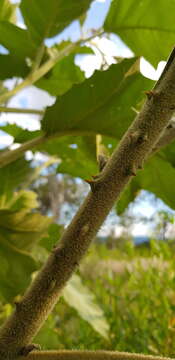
[135, 287]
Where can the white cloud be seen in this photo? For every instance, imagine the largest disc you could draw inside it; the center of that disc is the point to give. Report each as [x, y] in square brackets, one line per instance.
[140, 229]
[5, 139]
[149, 71]
[31, 98]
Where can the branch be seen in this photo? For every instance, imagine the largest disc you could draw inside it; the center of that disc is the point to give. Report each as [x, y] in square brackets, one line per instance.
[38, 58]
[89, 355]
[20, 110]
[11, 155]
[38, 73]
[136, 145]
[8, 156]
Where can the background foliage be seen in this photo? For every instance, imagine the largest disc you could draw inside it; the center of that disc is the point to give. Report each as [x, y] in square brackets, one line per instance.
[133, 306]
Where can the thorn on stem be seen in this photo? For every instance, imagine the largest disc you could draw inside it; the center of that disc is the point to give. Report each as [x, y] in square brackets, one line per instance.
[95, 176]
[92, 184]
[142, 138]
[134, 136]
[131, 171]
[102, 161]
[28, 348]
[17, 302]
[138, 137]
[54, 248]
[151, 94]
[170, 126]
[154, 148]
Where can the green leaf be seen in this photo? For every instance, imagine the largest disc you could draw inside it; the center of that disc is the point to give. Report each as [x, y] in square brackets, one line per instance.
[20, 226]
[23, 201]
[15, 270]
[54, 233]
[80, 298]
[11, 66]
[101, 104]
[82, 19]
[47, 18]
[7, 10]
[77, 155]
[127, 196]
[16, 40]
[169, 153]
[158, 177]
[20, 135]
[12, 176]
[144, 26]
[63, 75]
[48, 336]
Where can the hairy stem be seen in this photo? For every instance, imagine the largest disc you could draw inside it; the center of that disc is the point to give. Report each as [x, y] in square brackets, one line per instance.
[89, 355]
[134, 148]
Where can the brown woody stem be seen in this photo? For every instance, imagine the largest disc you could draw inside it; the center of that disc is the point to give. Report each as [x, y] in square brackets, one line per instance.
[89, 355]
[45, 289]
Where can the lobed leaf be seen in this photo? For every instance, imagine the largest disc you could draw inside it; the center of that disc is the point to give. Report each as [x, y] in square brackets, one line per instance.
[147, 27]
[101, 104]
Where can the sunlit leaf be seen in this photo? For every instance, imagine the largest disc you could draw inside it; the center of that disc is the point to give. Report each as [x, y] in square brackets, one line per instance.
[148, 33]
[101, 104]
[7, 10]
[80, 297]
[47, 18]
[15, 39]
[19, 225]
[63, 75]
